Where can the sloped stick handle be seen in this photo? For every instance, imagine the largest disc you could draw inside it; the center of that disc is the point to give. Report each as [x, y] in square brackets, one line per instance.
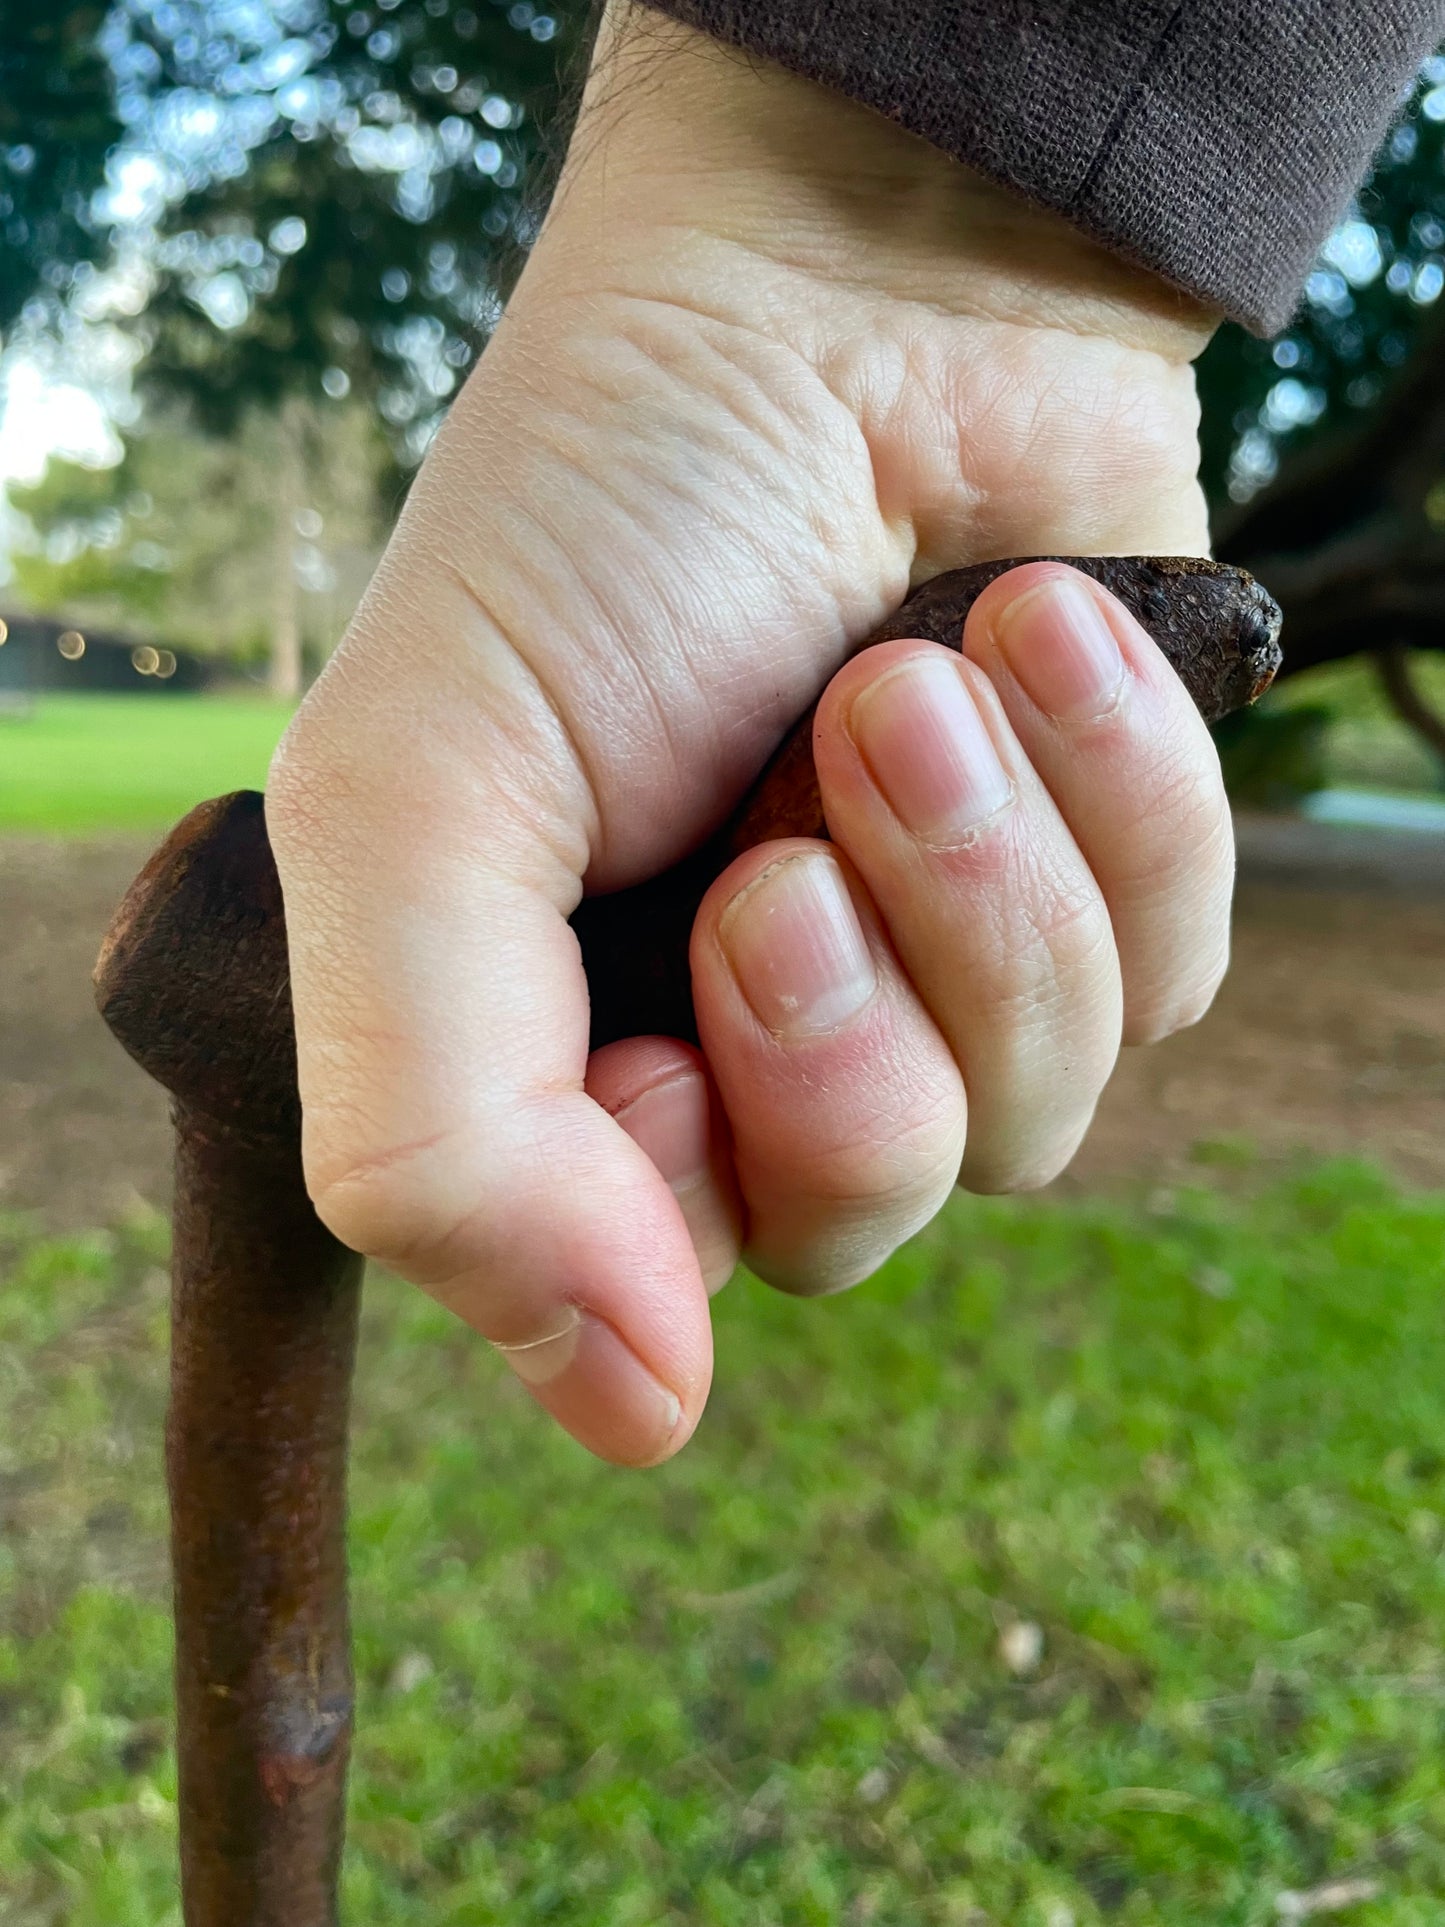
[193, 977]
[1217, 626]
[193, 980]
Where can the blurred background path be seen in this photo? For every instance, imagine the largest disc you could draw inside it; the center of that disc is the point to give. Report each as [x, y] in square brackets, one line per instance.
[1329, 1035]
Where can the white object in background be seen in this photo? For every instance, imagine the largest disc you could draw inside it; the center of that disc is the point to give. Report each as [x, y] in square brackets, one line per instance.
[1373, 810]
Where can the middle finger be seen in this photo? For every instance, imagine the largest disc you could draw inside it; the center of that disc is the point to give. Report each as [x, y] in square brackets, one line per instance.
[992, 909]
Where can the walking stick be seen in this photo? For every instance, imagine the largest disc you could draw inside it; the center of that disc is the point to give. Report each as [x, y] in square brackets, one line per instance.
[193, 980]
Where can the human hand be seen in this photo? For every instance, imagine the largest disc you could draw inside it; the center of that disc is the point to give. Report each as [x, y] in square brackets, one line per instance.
[771, 361]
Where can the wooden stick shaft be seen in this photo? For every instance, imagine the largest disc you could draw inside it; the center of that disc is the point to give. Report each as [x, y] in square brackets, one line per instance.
[263, 1335]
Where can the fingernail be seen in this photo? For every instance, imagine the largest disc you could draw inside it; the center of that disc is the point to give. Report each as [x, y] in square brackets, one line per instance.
[670, 1123]
[1060, 648]
[593, 1381]
[797, 949]
[929, 751]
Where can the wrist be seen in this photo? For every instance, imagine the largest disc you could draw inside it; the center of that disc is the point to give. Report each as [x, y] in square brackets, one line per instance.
[683, 134]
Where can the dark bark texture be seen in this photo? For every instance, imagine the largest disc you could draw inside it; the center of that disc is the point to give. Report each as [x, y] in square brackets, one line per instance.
[263, 1332]
[193, 980]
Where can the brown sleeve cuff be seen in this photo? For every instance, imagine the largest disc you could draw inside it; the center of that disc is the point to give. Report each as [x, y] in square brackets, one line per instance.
[1213, 141]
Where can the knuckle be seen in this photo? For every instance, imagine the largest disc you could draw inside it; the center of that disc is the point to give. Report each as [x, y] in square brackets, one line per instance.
[390, 1206]
[372, 1211]
[1184, 832]
[1073, 924]
[1054, 956]
[842, 1261]
[1105, 428]
[841, 1250]
[831, 1218]
[1154, 434]
[887, 1162]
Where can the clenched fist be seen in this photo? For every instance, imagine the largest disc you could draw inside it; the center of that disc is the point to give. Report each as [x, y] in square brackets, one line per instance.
[771, 362]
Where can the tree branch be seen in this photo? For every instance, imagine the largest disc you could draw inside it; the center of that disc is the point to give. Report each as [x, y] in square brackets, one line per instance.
[1405, 697]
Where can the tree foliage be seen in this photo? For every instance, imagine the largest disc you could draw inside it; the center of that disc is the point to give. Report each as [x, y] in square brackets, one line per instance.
[336, 187]
[1365, 310]
[352, 179]
[194, 541]
[315, 199]
[57, 125]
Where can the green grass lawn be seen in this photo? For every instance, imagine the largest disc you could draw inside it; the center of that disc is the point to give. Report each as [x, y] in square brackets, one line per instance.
[1197, 1442]
[82, 764]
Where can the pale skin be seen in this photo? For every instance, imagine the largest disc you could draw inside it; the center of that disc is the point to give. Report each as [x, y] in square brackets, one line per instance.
[772, 360]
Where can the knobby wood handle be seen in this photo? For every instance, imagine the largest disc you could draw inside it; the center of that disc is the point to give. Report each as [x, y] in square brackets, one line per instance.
[193, 977]
[193, 980]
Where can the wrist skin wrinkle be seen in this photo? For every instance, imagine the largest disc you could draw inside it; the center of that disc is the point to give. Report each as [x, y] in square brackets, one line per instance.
[696, 135]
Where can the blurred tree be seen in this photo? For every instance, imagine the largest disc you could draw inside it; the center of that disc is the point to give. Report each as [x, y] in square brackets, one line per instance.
[309, 201]
[1366, 307]
[343, 184]
[346, 185]
[325, 195]
[312, 199]
[57, 125]
[1325, 447]
[1351, 539]
[210, 545]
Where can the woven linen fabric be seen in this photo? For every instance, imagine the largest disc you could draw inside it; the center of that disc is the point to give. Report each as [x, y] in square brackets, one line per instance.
[1212, 141]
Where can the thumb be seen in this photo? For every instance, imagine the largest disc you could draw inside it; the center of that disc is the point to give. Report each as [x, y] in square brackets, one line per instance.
[442, 1030]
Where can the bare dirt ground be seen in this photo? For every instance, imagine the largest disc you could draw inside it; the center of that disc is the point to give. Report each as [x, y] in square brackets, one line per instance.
[1329, 1036]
